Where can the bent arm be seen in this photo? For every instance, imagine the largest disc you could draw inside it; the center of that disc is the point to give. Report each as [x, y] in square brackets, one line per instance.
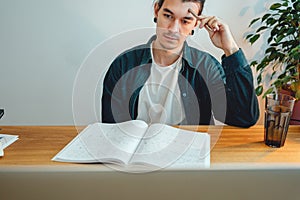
[242, 106]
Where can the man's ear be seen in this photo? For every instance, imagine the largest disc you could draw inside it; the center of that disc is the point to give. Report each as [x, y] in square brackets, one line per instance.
[156, 9]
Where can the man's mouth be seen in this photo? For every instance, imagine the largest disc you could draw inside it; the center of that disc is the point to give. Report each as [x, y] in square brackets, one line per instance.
[171, 36]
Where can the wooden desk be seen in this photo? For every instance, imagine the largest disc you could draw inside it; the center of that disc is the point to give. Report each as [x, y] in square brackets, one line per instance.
[23, 174]
[231, 146]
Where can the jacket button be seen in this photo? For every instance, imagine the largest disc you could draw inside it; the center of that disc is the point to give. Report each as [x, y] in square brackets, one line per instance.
[184, 94]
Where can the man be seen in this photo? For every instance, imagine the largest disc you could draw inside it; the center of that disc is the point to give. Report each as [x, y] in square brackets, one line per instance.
[169, 82]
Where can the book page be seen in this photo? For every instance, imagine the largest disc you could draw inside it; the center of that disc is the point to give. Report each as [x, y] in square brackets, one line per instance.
[75, 151]
[166, 146]
[197, 156]
[7, 140]
[103, 142]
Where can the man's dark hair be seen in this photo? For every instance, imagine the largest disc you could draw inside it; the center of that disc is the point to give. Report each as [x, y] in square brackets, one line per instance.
[201, 2]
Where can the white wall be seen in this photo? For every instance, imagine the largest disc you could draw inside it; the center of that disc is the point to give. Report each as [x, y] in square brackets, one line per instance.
[44, 44]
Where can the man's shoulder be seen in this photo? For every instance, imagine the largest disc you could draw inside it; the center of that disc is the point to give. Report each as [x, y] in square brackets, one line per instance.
[197, 57]
[135, 52]
[139, 49]
[196, 52]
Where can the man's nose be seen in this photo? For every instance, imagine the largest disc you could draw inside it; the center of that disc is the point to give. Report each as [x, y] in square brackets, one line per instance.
[175, 26]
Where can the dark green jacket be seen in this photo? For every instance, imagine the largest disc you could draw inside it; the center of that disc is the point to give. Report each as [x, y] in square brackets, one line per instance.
[206, 87]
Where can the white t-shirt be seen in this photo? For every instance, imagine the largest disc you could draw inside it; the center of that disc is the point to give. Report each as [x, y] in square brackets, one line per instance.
[160, 99]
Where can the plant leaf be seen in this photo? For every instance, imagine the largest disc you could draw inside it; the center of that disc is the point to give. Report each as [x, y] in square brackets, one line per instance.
[266, 16]
[254, 38]
[270, 50]
[259, 90]
[296, 6]
[253, 63]
[280, 37]
[273, 74]
[261, 28]
[259, 78]
[248, 36]
[269, 91]
[253, 21]
[271, 21]
[270, 39]
[275, 6]
[290, 31]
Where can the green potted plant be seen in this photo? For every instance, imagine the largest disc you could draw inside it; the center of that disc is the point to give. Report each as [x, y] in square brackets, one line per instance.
[279, 68]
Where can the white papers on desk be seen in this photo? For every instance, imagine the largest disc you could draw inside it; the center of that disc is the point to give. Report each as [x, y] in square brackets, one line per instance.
[6, 140]
[135, 143]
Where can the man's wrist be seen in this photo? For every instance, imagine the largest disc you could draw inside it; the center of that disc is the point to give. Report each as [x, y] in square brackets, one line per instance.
[231, 50]
[234, 62]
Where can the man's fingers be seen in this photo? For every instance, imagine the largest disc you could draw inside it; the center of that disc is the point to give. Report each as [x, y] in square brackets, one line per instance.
[209, 28]
[211, 23]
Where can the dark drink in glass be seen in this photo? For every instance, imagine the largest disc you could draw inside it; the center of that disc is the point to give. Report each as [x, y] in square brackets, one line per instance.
[276, 125]
[278, 110]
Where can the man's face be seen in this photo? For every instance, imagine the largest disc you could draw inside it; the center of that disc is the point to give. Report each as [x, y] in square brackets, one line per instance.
[174, 23]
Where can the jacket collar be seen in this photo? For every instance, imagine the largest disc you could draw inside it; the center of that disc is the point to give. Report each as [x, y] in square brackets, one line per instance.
[146, 57]
[187, 54]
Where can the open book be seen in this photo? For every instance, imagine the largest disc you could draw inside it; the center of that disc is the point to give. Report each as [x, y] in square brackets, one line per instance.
[136, 143]
[5, 141]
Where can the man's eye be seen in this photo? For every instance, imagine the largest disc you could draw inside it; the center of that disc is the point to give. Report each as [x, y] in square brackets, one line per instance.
[168, 16]
[185, 22]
